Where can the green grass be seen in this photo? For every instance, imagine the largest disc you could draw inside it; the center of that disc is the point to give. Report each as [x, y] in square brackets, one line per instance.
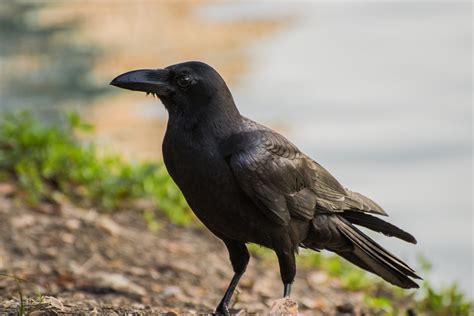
[351, 277]
[447, 300]
[387, 299]
[21, 307]
[380, 296]
[48, 162]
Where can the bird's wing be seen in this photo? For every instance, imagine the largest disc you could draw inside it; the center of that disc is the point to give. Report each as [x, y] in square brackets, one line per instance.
[332, 196]
[284, 182]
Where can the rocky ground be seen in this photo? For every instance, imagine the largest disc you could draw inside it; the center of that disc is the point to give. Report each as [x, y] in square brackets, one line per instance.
[78, 261]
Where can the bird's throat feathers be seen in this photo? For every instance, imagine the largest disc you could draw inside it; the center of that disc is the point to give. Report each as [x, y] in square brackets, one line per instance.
[218, 115]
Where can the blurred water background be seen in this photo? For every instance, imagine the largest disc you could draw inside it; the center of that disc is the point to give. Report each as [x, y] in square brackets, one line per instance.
[380, 93]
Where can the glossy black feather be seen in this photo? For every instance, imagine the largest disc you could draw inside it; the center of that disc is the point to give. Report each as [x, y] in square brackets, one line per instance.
[378, 225]
[248, 183]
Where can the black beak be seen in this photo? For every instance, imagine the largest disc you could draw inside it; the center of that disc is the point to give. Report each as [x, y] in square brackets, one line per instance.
[155, 81]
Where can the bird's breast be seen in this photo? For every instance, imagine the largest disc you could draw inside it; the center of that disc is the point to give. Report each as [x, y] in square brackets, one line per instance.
[208, 185]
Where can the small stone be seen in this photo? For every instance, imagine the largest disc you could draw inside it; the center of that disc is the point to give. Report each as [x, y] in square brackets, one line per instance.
[9, 303]
[109, 225]
[346, 308]
[23, 221]
[284, 307]
[317, 278]
[137, 271]
[309, 302]
[7, 189]
[156, 288]
[116, 282]
[172, 291]
[54, 302]
[73, 224]
[145, 300]
[68, 238]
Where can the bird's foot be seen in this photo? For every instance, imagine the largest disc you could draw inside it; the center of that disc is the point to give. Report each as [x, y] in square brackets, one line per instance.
[222, 310]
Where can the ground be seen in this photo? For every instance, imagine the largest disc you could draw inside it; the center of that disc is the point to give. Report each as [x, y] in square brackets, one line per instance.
[80, 261]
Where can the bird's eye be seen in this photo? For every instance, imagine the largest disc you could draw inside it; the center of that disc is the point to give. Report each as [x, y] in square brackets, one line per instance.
[184, 81]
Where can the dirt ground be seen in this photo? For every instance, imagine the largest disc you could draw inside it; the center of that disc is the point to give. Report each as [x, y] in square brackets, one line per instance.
[79, 261]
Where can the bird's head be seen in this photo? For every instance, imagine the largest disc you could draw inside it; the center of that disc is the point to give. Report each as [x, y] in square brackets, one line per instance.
[190, 87]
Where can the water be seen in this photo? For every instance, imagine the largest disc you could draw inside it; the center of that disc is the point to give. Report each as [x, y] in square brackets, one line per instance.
[380, 94]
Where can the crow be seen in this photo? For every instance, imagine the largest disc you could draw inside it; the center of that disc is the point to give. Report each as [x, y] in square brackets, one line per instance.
[249, 184]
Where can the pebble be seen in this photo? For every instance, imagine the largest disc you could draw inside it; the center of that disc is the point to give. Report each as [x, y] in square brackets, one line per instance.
[346, 308]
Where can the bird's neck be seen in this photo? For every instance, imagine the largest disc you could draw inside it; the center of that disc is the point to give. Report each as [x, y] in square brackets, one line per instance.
[219, 118]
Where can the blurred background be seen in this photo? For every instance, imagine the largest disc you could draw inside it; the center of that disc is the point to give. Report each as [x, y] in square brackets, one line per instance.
[380, 93]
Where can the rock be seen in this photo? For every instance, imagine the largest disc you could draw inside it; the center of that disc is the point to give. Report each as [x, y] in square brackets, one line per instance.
[138, 306]
[68, 238]
[54, 302]
[47, 208]
[173, 292]
[312, 303]
[38, 313]
[317, 278]
[117, 282]
[109, 225]
[345, 309]
[23, 221]
[7, 189]
[9, 303]
[284, 307]
[184, 266]
[73, 224]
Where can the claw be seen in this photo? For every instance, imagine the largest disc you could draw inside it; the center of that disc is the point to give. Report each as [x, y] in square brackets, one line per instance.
[222, 309]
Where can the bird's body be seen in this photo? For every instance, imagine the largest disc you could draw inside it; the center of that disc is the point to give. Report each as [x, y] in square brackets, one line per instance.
[210, 187]
[247, 183]
[198, 165]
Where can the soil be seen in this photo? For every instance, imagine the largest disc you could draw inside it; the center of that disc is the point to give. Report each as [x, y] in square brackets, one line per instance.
[79, 261]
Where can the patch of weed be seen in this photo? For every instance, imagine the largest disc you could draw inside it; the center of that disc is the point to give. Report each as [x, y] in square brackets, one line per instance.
[49, 161]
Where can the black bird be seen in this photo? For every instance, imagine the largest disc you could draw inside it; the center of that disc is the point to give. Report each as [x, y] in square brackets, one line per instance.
[249, 184]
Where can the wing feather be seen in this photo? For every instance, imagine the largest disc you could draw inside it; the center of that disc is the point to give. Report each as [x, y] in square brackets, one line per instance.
[283, 182]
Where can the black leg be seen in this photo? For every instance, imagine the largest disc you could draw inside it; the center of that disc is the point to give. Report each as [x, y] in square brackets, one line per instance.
[286, 289]
[286, 259]
[223, 307]
[239, 257]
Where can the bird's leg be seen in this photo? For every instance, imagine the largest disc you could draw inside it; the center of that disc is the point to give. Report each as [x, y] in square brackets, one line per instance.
[286, 289]
[286, 259]
[223, 307]
[239, 257]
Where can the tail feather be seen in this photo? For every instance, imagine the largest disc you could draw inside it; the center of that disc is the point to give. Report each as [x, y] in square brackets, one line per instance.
[378, 225]
[369, 255]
